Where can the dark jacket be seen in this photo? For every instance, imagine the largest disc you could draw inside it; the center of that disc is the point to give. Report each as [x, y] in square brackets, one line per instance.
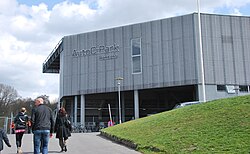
[4, 137]
[62, 131]
[21, 120]
[42, 118]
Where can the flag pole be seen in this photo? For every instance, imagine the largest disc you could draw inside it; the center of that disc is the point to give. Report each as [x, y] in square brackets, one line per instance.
[201, 53]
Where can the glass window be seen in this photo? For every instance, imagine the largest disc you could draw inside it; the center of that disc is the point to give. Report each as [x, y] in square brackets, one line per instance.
[136, 64]
[243, 88]
[221, 88]
[136, 55]
[136, 46]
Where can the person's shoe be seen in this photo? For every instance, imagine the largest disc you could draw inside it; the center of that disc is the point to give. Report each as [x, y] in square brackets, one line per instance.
[65, 148]
[19, 151]
[62, 150]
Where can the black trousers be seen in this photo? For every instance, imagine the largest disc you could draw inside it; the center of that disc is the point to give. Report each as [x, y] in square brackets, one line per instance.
[19, 137]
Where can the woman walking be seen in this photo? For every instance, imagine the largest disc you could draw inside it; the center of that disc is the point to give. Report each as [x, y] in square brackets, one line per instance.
[62, 129]
[20, 125]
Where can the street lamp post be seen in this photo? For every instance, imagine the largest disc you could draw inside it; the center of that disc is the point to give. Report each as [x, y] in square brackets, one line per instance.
[119, 97]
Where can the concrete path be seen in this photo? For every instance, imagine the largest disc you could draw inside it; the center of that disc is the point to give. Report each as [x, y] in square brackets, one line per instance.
[78, 143]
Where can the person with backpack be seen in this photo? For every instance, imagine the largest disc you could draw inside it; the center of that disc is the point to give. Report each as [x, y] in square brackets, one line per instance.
[63, 128]
[20, 121]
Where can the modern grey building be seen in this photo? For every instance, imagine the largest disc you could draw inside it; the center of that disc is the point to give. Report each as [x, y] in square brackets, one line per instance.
[159, 62]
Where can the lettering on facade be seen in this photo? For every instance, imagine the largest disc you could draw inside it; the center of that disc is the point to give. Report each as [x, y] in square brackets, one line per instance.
[109, 51]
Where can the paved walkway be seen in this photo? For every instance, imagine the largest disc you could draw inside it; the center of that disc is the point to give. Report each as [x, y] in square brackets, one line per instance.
[78, 143]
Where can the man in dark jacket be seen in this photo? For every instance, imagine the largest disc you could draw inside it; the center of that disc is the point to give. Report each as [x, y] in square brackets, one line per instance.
[42, 125]
[4, 137]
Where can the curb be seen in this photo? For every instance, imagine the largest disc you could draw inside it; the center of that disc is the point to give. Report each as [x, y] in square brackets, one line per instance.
[125, 142]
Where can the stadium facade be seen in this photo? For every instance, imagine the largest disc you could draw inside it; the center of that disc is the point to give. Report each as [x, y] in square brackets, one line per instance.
[159, 62]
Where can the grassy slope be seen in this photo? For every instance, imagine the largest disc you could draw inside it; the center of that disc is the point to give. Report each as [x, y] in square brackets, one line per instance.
[221, 126]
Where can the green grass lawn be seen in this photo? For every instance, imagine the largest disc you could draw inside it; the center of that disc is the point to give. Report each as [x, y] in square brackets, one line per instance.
[221, 126]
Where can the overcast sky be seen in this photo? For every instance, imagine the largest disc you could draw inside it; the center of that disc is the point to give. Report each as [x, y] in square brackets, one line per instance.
[30, 29]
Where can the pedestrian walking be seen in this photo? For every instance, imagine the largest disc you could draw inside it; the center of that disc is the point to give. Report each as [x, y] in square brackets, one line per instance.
[20, 121]
[3, 136]
[63, 128]
[42, 126]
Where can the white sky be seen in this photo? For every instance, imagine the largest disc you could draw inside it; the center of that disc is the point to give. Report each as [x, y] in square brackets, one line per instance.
[30, 29]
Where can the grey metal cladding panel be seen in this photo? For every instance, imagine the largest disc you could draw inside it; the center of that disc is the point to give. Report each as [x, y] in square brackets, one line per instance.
[127, 73]
[75, 84]
[177, 28]
[100, 42]
[225, 25]
[217, 49]
[189, 59]
[215, 26]
[246, 49]
[229, 72]
[228, 51]
[245, 22]
[156, 43]
[147, 74]
[219, 72]
[238, 61]
[209, 72]
[166, 30]
[110, 80]
[75, 66]
[147, 45]
[101, 80]
[208, 49]
[92, 80]
[119, 61]
[156, 31]
[67, 85]
[236, 27]
[136, 30]
[188, 26]
[83, 82]
[157, 74]
[70, 43]
[84, 65]
[218, 61]
[92, 68]
[205, 23]
[247, 59]
[110, 65]
[168, 61]
[67, 69]
[178, 60]
[137, 81]
[208, 60]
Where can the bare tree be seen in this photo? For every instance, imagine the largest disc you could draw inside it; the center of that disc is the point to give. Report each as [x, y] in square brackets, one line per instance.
[7, 96]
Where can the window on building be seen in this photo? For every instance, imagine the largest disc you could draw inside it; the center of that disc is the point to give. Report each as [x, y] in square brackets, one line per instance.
[136, 55]
[243, 88]
[221, 88]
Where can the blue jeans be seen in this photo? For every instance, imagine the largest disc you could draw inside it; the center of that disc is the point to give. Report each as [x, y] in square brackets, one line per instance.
[41, 136]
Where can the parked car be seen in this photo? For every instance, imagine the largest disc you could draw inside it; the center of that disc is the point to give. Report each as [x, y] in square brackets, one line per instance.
[186, 104]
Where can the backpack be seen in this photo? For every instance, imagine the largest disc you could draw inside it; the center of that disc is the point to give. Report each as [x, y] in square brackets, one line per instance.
[20, 121]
